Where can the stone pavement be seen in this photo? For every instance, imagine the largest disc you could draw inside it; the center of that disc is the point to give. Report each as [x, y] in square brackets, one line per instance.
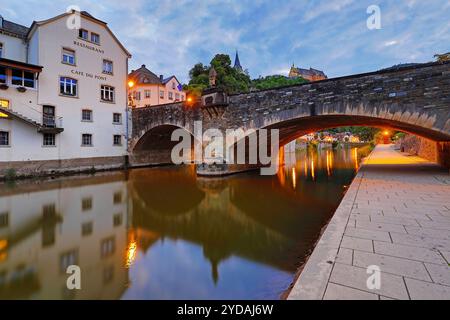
[395, 215]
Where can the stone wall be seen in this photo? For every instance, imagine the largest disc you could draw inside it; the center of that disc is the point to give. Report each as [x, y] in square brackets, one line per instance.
[438, 152]
[22, 169]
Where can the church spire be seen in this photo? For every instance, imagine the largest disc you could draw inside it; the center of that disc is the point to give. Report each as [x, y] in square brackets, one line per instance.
[237, 63]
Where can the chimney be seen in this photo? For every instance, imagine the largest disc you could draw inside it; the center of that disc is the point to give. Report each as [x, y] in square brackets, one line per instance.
[161, 77]
[143, 66]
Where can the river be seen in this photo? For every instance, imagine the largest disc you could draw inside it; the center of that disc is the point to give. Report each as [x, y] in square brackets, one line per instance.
[163, 233]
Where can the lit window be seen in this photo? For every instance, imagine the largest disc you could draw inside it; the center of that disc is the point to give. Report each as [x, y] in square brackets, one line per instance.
[49, 139]
[170, 95]
[68, 56]
[4, 103]
[117, 140]
[86, 140]
[117, 118]
[68, 86]
[4, 138]
[86, 115]
[107, 93]
[148, 94]
[3, 75]
[161, 94]
[22, 78]
[83, 34]
[95, 38]
[107, 67]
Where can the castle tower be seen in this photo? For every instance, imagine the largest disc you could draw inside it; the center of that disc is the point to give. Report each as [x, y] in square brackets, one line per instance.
[237, 63]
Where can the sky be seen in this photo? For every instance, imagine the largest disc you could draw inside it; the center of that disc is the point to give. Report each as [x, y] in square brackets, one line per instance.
[170, 36]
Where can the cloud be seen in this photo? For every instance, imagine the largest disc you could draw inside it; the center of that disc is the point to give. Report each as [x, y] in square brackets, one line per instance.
[170, 36]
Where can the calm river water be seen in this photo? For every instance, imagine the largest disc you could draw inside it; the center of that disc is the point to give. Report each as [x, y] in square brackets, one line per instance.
[161, 233]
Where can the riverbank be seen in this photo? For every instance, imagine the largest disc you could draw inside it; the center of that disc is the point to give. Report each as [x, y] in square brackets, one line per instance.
[395, 215]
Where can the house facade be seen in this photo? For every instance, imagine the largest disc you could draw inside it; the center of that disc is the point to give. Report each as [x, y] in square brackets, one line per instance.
[63, 95]
[152, 90]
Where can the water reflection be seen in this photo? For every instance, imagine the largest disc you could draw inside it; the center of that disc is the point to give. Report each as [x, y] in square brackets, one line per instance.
[164, 234]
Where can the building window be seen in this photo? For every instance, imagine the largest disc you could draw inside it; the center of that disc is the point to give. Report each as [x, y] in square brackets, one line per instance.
[83, 34]
[67, 259]
[177, 96]
[161, 94]
[3, 76]
[117, 140]
[148, 94]
[107, 93]
[86, 204]
[4, 103]
[95, 38]
[107, 66]
[87, 229]
[22, 78]
[68, 86]
[4, 138]
[86, 115]
[107, 247]
[117, 118]
[108, 274]
[1, 50]
[173, 86]
[182, 97]
[117, 220]
[49, 139]
[117, 198]
[4, 219]
[68, 56]
[137, 95]
[170, 95]
[86, 140]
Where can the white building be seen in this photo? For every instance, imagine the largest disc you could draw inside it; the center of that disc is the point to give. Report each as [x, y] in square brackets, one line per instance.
[63, 95]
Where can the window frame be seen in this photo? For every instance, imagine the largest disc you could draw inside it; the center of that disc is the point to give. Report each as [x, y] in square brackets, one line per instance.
[91, 138]
[23, 79]
[44, 144]
[63, 94]
[94, 34]
[105, 61]
[103, 91]
[67, 50]
[114, 140]
[8, 137]
[91, 115]
[120, 118]
[149, 95]
[80, 32]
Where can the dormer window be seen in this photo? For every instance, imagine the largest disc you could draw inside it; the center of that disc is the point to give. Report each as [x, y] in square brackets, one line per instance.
[83, 34]
[95, 38]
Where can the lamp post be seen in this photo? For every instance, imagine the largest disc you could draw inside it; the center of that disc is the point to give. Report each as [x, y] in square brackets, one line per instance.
[127, 120]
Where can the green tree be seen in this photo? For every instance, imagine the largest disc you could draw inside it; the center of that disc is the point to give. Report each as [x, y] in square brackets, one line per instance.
[270, 82]
[228, 78]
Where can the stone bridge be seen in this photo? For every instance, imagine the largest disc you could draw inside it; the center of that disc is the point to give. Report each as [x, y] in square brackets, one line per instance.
[414, 99]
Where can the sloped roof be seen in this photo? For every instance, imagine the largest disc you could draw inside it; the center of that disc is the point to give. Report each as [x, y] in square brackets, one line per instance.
[310, 72]
[144, 76]
[14, 28]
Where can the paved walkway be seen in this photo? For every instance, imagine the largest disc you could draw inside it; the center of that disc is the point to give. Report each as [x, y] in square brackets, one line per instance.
[395, 215]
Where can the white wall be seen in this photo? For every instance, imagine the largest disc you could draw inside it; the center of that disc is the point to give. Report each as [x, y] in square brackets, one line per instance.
[13, 48]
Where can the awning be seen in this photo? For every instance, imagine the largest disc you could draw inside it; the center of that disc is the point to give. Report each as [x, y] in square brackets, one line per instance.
[20, 65]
